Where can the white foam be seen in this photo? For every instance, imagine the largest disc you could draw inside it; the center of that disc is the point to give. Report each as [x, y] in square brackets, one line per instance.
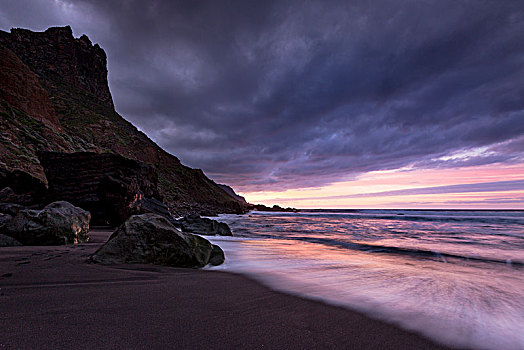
[455, 305]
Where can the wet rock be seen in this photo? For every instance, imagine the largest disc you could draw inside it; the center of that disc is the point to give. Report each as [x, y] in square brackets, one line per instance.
[204, 226]
[217, 256]
[152, 239]
[58, 223]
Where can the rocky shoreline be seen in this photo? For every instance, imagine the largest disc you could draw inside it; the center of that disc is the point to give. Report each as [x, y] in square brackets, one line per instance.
[51, 298]
[145, 239]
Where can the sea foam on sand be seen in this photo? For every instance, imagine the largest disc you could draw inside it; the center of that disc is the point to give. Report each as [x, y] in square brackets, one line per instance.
[458, 303]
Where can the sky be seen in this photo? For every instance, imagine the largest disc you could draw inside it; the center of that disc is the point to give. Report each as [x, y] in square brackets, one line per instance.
[320, 104]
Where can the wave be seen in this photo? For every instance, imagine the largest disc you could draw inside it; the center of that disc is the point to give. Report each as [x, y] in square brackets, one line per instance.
[481, 217]
[404, 251]
[416, 252]
[480, 220]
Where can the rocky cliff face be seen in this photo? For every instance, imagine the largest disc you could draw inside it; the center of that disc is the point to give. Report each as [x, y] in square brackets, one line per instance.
[54, 96]
[22, 89]
[109, 186]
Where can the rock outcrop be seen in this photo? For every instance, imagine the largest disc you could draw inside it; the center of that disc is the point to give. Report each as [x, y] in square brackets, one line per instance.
[277, 208]
[54, 97]
[204, 226]
[109, 186]
[58, 223]
[152, 239]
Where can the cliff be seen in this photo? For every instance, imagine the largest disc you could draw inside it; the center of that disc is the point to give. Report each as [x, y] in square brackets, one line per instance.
[54, 96]
[109, 186]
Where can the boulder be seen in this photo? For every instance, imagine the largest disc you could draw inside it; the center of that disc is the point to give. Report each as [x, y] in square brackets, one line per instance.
[58, 223]
[7, 241]
[152, 239]
[204, 226]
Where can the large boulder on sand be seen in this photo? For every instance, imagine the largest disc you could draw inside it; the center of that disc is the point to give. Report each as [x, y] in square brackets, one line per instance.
[204, 226]
[58, 223]
[152, 239]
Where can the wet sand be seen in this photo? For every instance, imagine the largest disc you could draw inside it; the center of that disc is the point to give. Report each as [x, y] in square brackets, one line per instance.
[50, 298]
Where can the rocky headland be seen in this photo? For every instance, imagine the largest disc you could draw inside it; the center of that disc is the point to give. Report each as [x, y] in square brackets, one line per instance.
[277, 208]
[54, 97]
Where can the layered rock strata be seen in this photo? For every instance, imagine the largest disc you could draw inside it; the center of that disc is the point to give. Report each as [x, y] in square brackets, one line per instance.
[108, 185]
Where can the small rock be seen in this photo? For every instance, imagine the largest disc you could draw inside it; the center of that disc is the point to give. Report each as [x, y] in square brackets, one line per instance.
[204, 226]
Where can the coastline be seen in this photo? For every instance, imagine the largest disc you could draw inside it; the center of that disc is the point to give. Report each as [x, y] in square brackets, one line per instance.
[51, 298]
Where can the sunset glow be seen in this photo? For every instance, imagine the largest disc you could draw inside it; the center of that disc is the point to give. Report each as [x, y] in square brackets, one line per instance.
[368, 190]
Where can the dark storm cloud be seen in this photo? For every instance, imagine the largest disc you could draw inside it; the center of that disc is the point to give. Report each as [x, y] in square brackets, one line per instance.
[283, 94]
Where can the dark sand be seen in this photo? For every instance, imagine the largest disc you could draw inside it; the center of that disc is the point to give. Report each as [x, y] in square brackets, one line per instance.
[51, 299]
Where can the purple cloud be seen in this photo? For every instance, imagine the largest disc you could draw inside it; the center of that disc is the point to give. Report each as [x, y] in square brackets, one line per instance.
[287, 94]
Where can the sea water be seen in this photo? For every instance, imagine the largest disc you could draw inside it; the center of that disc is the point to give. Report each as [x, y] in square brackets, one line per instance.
[454, 276]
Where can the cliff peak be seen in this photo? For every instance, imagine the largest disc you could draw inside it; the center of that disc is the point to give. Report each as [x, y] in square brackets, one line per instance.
[57, 55]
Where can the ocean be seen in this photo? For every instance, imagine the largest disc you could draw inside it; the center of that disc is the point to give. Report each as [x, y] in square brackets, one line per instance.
[454, 276]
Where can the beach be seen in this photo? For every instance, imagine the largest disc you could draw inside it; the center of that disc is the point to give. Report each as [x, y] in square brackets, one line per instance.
[453, 276]
[51, 298]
